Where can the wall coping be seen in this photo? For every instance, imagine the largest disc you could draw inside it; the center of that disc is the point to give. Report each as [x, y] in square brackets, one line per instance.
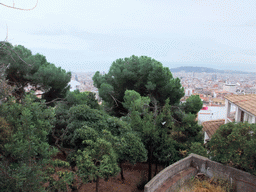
[243, 180]
[162, 176]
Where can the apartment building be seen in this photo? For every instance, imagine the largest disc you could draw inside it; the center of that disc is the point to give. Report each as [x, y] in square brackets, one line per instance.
[238, 108]
[245, 108]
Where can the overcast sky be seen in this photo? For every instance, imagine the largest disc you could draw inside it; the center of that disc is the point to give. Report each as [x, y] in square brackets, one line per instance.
[88, 35]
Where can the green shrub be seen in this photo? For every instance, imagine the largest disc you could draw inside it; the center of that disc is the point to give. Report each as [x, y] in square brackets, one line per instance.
[59, 163]
[64, 182]
[5, 132]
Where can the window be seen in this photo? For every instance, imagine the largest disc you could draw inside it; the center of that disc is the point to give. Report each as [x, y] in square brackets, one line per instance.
[242, 116]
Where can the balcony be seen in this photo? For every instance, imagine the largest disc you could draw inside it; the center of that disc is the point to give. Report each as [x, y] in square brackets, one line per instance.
[231, 116]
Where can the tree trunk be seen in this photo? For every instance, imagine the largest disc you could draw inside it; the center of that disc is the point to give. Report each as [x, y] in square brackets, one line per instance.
[150, 162]
[57, 142]
[122, 171]
[156, 169]
[97, 184]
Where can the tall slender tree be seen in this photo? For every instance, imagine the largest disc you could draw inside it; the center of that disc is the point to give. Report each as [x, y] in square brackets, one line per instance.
[98, 159]
[152, 127]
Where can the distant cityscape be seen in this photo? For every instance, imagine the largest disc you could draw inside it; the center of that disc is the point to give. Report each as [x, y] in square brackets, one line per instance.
[83, 82]
[211, 87]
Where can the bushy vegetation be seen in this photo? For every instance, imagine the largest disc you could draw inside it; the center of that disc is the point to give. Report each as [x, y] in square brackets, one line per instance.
[23, 69]
[24, 148]
[206, 184]
[141, 120]
[234, 145]
[142, 74]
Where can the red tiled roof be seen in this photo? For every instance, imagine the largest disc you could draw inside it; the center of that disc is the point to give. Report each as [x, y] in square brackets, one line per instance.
[246, 102]
[210, 127]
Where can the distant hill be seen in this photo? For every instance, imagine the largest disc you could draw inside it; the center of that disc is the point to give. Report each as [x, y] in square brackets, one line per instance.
[206, 70]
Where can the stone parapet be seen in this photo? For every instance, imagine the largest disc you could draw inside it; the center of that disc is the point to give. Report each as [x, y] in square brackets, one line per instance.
[168, 172]
[178, 172]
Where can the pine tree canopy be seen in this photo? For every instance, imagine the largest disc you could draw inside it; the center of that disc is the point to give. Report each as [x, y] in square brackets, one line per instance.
[146, 76]
[22, 69]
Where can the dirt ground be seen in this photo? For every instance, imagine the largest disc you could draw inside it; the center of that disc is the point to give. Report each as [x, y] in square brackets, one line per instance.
[132, 175]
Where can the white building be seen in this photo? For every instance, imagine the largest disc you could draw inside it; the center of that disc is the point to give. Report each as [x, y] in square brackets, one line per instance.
[245, 108]
[188, 92]
[212, 113]
[238, 108]
[229, 87]
[74, 85]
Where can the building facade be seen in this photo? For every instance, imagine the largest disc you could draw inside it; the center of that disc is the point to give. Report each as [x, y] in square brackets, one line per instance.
[238, 108]
[245, 108]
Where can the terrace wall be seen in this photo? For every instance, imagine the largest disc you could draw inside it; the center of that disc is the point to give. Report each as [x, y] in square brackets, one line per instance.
[243, 181]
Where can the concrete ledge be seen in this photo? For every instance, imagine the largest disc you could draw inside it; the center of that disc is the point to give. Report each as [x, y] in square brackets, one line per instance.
[177, 180]
[178, 172]
[168, 172]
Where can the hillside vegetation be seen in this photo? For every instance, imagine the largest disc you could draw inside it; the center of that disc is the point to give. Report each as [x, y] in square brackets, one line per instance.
[141, 120]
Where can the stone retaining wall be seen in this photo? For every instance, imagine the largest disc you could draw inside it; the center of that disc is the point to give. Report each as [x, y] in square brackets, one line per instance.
[168, 172]
[243, 181]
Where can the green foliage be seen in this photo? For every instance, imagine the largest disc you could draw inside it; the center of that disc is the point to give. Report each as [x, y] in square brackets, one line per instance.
[185, 131]
[65, 178]
[234, 145]
[134, 102]
[79, 98]
[5, 89]
[82, 115]
[198, 148]
[5, 133]
[152, 127]
[27, 152]
[142, 74]
[129, 147]
[165, 152]
[59, 163]
[5, 50]
[188, 130]
[90, 124]
[62, 110]
[81, 134]
[31, 123]
[97, 160]
[193, 104]
[54, 80]
[26, 69]
[84, 123]
[50, 170]
[166, 131]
